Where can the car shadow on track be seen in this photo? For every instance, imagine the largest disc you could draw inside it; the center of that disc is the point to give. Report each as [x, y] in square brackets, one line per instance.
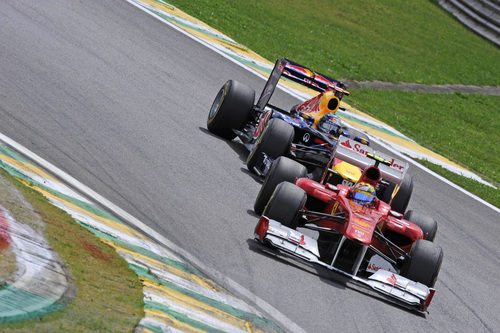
[238, 147]
[319, 271]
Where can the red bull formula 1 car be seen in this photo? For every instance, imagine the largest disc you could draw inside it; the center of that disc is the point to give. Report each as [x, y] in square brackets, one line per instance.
[359, 235]
[308, 133]
[269, 131]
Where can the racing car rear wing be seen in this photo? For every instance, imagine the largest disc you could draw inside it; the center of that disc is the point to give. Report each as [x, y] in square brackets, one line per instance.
[355, 153]
[299, 74]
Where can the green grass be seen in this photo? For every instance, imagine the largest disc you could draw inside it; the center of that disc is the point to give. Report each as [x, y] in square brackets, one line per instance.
[461, 127]
[483, 191]
[109, 295]
[388, 40]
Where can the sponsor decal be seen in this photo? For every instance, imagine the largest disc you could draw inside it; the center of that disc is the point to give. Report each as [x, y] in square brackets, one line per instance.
[361, 223]
[300, 70]
[346, 143]
[347, 183]
[312, 83]
[310, 106]
[306, 137]
[323, 80]
[334, 209]
[376, 263]
[360, 148]
[294, 238]
[359, 232]
[392, 279]
[262, 123]
[363, 217]
[364, 149]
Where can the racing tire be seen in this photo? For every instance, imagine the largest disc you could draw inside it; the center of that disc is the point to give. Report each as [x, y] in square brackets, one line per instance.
[402, 196]
[426, 223]
[275, 140]
[231, 109]
[285, 203]
[424, 263]
[283, 169]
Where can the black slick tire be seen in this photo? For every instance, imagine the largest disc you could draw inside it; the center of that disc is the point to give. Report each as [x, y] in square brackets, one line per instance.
[424, 263]
[285, 203]
[282, 169]
[275, 140]
[231, 109]
[426, 223]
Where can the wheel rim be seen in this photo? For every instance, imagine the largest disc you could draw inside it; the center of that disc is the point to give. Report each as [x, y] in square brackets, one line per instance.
[217, 102]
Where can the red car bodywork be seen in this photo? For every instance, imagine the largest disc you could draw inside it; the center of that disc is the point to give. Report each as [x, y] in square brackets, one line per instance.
[359, 221]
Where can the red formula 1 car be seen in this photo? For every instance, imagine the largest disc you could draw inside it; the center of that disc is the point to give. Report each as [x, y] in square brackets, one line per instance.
[359, 235]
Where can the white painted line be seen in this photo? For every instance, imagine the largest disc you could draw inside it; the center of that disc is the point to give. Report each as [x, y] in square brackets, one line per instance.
[192, 313]
[157, 323]
[432, 173]
[39, 269]
[298, 95]
[56, 186]
[301, 96]
[188, 285]
[221, 279]
[199, 40]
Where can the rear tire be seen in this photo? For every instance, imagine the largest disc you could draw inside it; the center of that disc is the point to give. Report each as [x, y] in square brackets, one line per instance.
[230, 109]
[402, 196]
[426, 223]
[283, 169]
[425, 262]
[285, 203]
[275, 140]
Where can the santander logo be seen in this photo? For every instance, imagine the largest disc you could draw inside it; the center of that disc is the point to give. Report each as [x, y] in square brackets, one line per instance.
[392, 279]
[363, 149]
[346, 144]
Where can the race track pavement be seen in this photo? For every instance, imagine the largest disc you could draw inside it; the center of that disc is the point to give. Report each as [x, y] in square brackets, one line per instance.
[177, 296]
[244, 57]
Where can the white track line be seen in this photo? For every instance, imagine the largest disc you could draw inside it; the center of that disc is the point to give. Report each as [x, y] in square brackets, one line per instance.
[432, 173]
[279, 317]
[302, 97]
[223, 280]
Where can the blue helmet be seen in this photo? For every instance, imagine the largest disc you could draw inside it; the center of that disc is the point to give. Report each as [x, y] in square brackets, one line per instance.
[330, 124]
[363, 193]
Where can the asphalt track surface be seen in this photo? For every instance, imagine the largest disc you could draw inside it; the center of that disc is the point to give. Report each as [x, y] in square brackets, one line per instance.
[119, 100]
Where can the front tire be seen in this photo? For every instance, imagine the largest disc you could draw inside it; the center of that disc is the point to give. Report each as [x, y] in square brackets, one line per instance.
[285, 203]
[426, 223]
[231, 109]
[425, 262]
[283, 169]
[274, 141]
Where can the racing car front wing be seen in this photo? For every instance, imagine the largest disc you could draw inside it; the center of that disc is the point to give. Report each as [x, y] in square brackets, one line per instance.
[413, 294]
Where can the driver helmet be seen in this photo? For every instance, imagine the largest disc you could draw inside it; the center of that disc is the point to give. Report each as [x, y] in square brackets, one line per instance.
[363, 193]
[330, 124]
